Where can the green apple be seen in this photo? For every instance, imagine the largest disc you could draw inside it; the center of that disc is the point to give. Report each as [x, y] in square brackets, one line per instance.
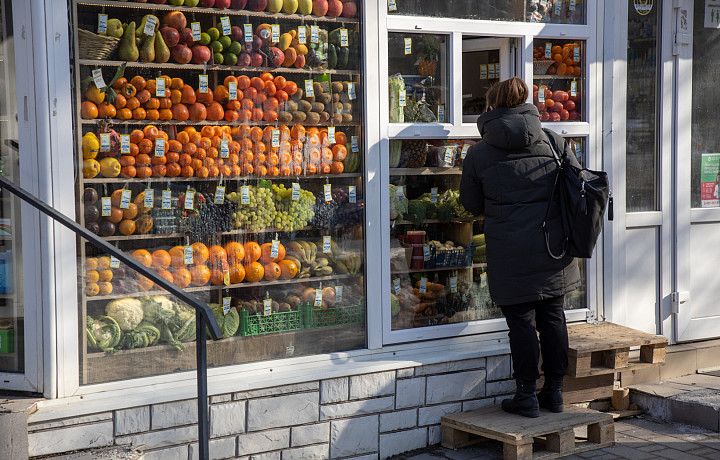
[275, 6]
[192, 3]
[177, 2]
[290, 6]
[305, 7]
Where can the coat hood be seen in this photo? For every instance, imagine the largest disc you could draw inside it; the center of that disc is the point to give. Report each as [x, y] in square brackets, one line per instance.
[511, 128]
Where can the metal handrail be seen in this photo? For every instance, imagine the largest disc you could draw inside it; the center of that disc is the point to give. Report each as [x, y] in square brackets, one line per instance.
[203, 314]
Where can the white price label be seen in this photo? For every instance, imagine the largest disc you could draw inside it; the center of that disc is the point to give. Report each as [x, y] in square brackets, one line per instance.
[125, 199]
[189, 199]
[226, 304]
[124, 143]
[392, 5]
[441, 113]
[343, 37]
[573, 88]
[402, 94]
[196, 32]
[309, 88]
[149, 198]
[160, 87]
[548, 50]
[351, 91]
[327, 191]
[187, 255]
[464, 151]
[295, 191]
[314, 34]
[98, 78]
[159, 147]
[352, 194]
[331, 134]
[541, 95]
[483, 280]
[576, 54]
[408, 45]
[400, 193]
[150, 25]
[104, 142]
[318, 297]
[396, 285]
[354, 144]
[166, 199]
[102, 23]
[219, 195]
[572, 5]
[244, 194]
[232, 91]
[491, 70]
[453, 284]
[114, 262]
[203, 84]
[302, 35]
[274, 248]
[483, 71]
[449, 154]
[224, 148]
[423, 285]
[338, 293]
[275, 31]
[106, 205]
[433, 194]
[426, 252]
[248, 32]
[275, 139]
[225, 24]
[558, 7]
[327, 247]
[267, 307]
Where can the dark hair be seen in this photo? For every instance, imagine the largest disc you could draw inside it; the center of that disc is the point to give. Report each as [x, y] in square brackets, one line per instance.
[508, 93]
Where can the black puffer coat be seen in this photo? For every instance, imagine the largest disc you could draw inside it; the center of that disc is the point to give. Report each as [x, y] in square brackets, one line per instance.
[508, 178]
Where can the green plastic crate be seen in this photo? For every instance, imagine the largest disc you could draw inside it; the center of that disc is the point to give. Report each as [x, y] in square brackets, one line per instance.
[276, 322]
[7, 341]
[341, 315]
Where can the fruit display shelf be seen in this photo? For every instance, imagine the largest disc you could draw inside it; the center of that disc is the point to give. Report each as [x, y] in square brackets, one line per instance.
[240, 231]
[425, 171]
[556, 77]
[217, 11]
[213, 67]
[159, 123]
[122, 180]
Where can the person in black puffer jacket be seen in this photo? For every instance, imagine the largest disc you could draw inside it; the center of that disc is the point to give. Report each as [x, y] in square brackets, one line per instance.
[508, 177]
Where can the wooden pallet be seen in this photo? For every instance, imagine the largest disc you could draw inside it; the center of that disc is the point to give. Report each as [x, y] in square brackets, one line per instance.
[548, 436]
[604, 348]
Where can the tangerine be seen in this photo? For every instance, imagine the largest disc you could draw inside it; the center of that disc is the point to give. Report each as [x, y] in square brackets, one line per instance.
[161, 259]
[272, 271]
[253, 252]
[142, 256]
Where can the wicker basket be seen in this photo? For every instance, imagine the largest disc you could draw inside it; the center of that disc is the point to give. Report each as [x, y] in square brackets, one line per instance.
[541, 67]
[94, 46]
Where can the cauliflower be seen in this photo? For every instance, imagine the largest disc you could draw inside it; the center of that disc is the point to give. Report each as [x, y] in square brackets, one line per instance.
[157, 308]
[128, 312]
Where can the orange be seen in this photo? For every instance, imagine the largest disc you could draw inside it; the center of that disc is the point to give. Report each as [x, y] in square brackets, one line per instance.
[199, 275]
[272, 271]
[235, 252]
[200, 253]
[144, 284]
[92, 289]
[266, 250]
[166, 274]
[237, 273]
[105, 275]
[181, 277]
[131, 212]
[127, 227]
[161, 259]
[217, 277]
[252, 252]
[142, 256]
[288, 269]
[177, 256]
[254, 272]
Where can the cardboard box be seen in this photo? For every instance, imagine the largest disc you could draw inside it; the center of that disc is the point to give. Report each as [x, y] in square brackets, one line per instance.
[7, 341]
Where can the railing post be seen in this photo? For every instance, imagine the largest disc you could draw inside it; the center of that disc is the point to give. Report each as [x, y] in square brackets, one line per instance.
[203, 413]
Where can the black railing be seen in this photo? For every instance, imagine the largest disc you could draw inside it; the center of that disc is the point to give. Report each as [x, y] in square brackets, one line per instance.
[203, 314]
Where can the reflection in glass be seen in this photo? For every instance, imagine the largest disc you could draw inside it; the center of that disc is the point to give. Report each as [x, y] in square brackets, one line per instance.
[555, 11]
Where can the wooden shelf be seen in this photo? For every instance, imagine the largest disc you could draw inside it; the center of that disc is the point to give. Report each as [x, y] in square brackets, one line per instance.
[456, 170]
[557, 77]
[239, 231]
[435, 221]
[123, 180]
[115, 121]
[438, 269]
[219, 12]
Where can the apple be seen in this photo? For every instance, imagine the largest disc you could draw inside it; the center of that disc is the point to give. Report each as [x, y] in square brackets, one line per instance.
[349, 9]
[186, 36]
[244, 59]
[175, 19]
[176, 2]
[181, 54]
[540, 106]
[238, 4]
[200, 54]
[554, 116]
[257, 5]
[206, 3]
[159, 2]
[320, 7]
[222, 4]
[256, 60]
[335, 8]
[564, 114]
[191, 3]
[557, 107]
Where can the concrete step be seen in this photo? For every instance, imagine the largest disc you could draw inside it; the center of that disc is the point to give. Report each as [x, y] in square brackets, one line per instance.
[691, 399]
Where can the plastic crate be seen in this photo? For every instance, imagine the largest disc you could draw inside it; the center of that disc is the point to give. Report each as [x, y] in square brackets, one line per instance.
[276, 322]
[342, 315]
[450, 257]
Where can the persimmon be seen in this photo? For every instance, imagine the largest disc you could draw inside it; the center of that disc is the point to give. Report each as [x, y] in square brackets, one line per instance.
[139, 114]
[159, 171]
[173, 170]
[106, 110]
[128, 171]
[288, 269]
[183, 137]
[205, 98]
[176, 97]
[221, 94]
[152, 114]
[180, 112]
[243, 82]
[138, 82]
[120, 101]
[228, 79]
[165, 114]
[88, 110]
[120, 83]
[143, 171]
[145, 146]
[215, 111]
[143, 96]
[188, 171]
[280, 82]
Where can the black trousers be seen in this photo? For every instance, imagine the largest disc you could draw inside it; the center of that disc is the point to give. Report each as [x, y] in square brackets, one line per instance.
[548, 318]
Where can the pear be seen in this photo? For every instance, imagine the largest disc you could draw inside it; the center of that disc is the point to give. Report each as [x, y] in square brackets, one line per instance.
[128, 50]
[305, 7]
[275, 6]
[147, 52]
[140, 31]
[162, 52]
[114, 28]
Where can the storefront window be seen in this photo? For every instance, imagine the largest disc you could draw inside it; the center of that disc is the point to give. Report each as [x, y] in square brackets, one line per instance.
[481, 69]
[228, 156]
[418, 78]
[559, 77]
[12, 352]
[557, 11]
[641, 135]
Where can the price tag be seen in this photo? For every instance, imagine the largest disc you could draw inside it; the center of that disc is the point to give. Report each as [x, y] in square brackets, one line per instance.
[402, 94]
[224, 148]
[396, 285]
[150, 25]
[483, 72]
[541, 95]
[276, 138]
[314, 34]
[102, 23]
[392, 5]
[426, 252]
[464, 151]
[331, 134]
[98, 78]
[309, 88]
[343, 37]
[187, 255]
[189, 199]
[225, 23]
[327, 190]
[352, 194]
[548, 50]
[226, 305]
[203, 84]
[400, 193]
[232, 91]
[327, 248]
[124, 143]
[196, 32]
[160, 87]
[302, 35]
[267, 307]
[295, 191]
[558, 7]
[573, 88]
[491, 71]
[338, 293]
[104, 142]
[106, 206]
[125, 199]
[351, 91]
[114, 262]
[483, 280]
[441, 113]
[275, 30]
[248, 32]
[159, 147]
[433, 195]
[244, 194]
[226, 272]
[274, 247]
[449, 153]
[576, 54]
[572, 5]
[318, 297]
[453, 284]
[219, 195]
[166, 199]
[354, 144]
[149, 198]
[423, 285]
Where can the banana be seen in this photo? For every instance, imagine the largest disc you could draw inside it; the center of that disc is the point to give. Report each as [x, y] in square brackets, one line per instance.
[321, 262]
[297, 248]
[324, 271]
[341, 267]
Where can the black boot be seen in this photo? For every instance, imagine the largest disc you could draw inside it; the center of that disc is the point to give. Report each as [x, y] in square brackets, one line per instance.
[525, 402]
[550, 397]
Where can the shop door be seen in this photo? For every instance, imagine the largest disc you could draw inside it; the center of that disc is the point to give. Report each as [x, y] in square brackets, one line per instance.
[485, 62]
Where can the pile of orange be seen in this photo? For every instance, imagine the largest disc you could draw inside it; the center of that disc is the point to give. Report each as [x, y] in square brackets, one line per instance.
[565, 63]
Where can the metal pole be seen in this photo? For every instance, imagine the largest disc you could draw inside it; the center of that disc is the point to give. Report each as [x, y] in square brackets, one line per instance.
[203, 422]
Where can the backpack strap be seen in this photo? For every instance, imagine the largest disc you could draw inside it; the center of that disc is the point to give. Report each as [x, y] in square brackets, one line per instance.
[561, 163]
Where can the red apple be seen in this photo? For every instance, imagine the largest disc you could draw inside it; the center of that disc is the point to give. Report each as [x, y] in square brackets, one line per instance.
[238, 4]
[200, 54]
[564, 114]
[544, 116]
[349, 9]
[554, 116]
[244, 59]
[181, 54]
[540, 106]
[320, 7]
[569, 105]
[206, 3]
[170, 36]
[257, 5]
[557, 107]
[335, 8]
[222, 4]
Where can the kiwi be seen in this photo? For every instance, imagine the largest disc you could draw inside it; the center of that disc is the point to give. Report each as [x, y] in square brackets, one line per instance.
[325, 98]
[347, 107]
[347, 117]
[318, 107]
[317, 88]
[304, 106]
[299, 116]
[285, 116]
[310, 99]
[337, 87]
[313, 118]
[291, 106]
[324, 116]
[337, 119]
[336, 97]
[337, 107]
[298, 94]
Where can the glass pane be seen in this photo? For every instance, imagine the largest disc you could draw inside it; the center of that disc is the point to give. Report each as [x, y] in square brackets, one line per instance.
[557, 11]
[243, 183]
[705, 99]
[481, 69]
[12, 352]
[642, 150]
[418, 80]
[559, 71]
